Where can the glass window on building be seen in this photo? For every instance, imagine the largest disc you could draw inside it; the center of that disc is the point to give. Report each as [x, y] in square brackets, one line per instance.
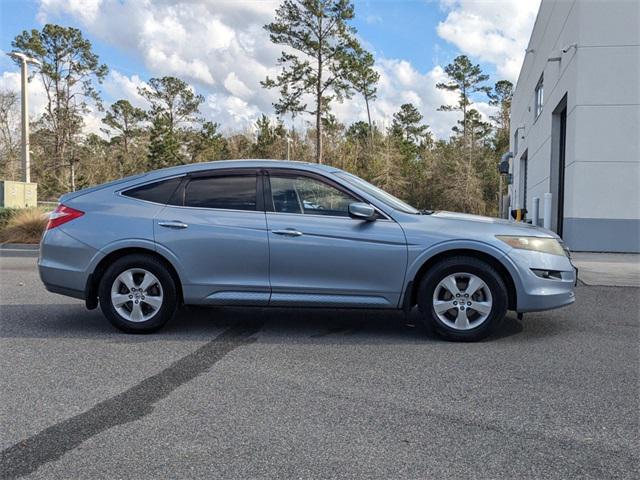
[539, 96]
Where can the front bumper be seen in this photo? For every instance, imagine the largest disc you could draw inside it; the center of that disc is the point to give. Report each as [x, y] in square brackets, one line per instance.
[536, 293]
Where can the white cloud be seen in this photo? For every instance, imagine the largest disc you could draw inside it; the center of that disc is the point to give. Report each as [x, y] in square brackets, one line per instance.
[11, 81]
[119, 86]
[221, 48]
[236, 86]
[86, 10]
[401, 83]
[495, 31]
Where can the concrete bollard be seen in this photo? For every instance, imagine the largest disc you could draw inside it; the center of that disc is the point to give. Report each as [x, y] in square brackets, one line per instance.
[547, 211]
[505, 206]
[535, 211]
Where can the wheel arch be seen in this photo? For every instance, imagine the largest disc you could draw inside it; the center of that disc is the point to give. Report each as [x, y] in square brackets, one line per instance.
[423, 265]
[93, 281]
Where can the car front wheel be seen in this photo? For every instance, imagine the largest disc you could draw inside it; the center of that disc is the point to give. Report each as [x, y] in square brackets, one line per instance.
[463, 298]
[137, 294]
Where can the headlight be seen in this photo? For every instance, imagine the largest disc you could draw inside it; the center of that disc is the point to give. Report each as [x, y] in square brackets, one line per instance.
[536, 244]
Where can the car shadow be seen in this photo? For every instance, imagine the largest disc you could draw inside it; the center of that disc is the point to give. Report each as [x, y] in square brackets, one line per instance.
[283, 325]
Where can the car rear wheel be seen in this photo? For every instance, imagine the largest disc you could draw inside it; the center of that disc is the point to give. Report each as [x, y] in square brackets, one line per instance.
[137, 294]
[463, 298]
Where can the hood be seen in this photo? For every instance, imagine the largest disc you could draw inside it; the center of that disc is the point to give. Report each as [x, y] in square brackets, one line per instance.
[518, 228]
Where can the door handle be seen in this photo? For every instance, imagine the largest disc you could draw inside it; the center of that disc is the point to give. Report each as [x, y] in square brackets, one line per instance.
[288, 232]
[173, 224]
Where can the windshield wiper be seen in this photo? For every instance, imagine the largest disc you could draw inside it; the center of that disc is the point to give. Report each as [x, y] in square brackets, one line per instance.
[425, 212]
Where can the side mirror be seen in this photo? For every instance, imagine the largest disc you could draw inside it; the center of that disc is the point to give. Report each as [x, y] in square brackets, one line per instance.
[362, 211]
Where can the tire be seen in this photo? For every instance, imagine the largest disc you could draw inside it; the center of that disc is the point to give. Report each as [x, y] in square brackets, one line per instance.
[473, 315]
[137, 294]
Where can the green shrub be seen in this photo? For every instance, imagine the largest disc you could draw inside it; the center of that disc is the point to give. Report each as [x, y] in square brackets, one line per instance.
[6, 214]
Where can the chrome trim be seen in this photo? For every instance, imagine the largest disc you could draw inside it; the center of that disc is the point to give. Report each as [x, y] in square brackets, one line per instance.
[173, 224]
[214, 209]
[288, 232]
[327, 216]
[384, 216]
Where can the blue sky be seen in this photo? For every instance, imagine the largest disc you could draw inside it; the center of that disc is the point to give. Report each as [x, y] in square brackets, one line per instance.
[224, 52]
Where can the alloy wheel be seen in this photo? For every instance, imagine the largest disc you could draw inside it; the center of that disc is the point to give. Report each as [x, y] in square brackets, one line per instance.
[137, 295]
[462, 301]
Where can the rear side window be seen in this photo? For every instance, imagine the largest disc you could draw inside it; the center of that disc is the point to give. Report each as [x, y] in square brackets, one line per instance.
[158, 192]
[232, 192]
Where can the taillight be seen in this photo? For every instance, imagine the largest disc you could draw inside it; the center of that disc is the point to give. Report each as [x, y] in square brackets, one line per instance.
[62, 214]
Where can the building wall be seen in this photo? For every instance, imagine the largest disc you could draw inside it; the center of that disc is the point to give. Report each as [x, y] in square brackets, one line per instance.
[601, 81]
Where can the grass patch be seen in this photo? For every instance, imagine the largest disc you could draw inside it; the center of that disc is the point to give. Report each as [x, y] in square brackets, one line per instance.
[22, 225]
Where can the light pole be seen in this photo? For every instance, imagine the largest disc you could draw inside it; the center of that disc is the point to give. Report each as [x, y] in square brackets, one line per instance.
[24, 61]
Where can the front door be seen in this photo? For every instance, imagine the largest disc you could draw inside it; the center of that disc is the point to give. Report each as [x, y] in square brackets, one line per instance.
[558, 164]
[561, 171]
[217, 232]
[319, 256]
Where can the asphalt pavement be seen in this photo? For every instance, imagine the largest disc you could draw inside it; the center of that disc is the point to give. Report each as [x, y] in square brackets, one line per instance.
[293, 393]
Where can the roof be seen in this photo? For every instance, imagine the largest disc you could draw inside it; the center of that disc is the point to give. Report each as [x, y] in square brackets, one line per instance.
[250, 163]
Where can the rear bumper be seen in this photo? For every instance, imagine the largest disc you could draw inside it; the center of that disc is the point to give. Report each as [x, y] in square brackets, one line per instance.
[65, 291]
[63, 263]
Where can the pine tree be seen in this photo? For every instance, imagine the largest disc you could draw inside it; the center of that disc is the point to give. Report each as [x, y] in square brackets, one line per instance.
[320, 52]
[267, 137]
[69, 68]
[126, 120]
[406, 124]
[174, 109]
[164, 145]
[501, 97]
[465, 79]
[364, 78]
[206, 144]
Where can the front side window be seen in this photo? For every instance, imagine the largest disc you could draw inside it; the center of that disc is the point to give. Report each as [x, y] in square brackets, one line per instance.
[300, 194]
[539, 96]
[228, 192]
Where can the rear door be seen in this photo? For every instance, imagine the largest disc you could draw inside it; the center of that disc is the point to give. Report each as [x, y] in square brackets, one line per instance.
[215, 228]
[319, 256]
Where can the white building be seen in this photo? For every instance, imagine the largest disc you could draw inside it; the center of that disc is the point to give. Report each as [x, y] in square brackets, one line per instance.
[575, 122]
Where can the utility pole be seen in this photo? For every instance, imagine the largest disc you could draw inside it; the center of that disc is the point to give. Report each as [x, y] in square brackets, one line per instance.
[288, 147]
[24, 61]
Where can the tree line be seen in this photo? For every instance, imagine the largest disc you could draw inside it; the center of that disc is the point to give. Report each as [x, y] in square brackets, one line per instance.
[321, 63]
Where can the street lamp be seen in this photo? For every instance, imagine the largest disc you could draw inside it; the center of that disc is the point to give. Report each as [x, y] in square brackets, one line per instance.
[24, 60]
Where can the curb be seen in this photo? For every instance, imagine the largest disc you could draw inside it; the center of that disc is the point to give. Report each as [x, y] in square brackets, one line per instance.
[19, 250]
[19, 246]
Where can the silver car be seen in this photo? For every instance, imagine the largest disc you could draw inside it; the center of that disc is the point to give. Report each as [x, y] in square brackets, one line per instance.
[275, 233]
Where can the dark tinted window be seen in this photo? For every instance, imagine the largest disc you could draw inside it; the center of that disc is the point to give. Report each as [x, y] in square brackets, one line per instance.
[159, 192]
[231, 192]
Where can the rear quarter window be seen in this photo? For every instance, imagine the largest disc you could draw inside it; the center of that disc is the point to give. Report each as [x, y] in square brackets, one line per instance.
[157, 192]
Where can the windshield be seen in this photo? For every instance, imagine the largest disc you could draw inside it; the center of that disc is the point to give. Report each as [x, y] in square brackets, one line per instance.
[377, 193]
